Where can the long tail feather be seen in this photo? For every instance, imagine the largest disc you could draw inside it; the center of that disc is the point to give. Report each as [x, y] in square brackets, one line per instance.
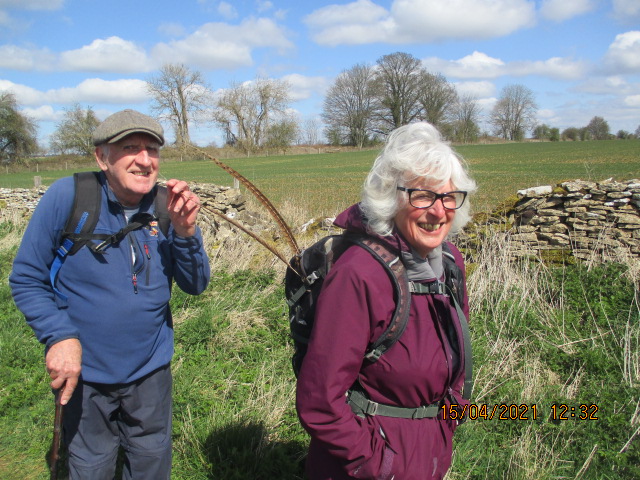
[248, 232]
[286, 231]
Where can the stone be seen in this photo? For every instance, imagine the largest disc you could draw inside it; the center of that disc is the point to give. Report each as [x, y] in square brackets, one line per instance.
[535, 191]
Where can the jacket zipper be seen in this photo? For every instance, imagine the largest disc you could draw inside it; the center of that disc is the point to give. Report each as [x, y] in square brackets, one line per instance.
[134, 273]
[148, 268]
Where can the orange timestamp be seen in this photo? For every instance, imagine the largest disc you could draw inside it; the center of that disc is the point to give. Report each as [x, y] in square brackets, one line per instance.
[562, 411]
[515, 411]
[500, 411]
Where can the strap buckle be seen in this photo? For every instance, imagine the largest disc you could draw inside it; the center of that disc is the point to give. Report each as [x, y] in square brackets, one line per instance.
[372, 408]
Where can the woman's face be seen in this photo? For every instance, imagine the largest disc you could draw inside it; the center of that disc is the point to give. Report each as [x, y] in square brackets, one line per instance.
[425, 228]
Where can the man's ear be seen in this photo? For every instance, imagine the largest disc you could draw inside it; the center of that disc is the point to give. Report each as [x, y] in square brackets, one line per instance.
[101, 154]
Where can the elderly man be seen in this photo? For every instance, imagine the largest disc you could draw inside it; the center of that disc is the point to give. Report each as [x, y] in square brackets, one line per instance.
[104, 318]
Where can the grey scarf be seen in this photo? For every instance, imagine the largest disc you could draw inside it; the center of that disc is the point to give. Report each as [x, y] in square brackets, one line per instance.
[421, 269]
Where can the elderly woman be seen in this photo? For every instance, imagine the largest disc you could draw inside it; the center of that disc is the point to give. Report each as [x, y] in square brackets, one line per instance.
[413, 198]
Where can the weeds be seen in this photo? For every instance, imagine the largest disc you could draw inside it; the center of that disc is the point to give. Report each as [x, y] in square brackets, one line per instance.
[543, 336]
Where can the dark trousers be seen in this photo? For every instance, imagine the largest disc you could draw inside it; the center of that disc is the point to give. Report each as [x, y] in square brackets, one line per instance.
[137, 417]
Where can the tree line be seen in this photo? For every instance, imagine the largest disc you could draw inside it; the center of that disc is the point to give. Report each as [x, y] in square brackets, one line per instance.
[364, 103]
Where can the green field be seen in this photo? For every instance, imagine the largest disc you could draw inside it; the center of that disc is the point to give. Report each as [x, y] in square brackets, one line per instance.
[546, 338]
[323, 184]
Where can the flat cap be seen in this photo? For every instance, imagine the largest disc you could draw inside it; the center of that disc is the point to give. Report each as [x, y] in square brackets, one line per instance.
[117, 126]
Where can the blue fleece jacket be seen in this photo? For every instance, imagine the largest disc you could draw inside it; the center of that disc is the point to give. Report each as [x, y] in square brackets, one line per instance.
[117, 308]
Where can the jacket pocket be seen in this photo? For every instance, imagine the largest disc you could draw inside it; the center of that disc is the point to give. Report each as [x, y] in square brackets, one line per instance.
[378, 471]
[387, 464]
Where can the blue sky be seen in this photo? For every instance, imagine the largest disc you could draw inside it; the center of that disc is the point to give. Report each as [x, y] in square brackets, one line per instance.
[581, 58]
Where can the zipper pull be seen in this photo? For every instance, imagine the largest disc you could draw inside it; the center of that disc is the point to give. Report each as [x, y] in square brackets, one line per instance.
[134, 279]
[146, 250]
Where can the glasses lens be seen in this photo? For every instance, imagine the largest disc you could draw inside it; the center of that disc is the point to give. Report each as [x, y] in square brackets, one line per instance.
[426, 198]
[422, 198]
[453, 200]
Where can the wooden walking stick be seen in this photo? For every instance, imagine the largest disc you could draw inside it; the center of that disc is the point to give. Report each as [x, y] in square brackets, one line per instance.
[57, 432]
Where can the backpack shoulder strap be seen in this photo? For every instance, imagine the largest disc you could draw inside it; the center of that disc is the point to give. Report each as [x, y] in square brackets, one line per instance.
[400, 281]
[160, 209]
[455, 287]
[86, 208]
[81, 220]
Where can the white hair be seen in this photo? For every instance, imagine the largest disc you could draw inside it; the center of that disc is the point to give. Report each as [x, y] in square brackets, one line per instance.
[413, 151]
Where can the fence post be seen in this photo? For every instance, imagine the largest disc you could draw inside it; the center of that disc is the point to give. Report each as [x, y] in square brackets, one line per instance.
[37, 181]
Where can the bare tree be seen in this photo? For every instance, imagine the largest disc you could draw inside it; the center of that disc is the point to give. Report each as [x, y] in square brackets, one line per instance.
[74, 133]
[17, 131]
[250, 108]
[398, 78]
[598, 128]
[349, 105]
[310, 131]
[466, 115]
[514, 113]
[179, 94]
[437, 98]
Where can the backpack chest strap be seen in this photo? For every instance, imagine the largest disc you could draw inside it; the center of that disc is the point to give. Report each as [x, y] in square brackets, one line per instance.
[431, 288]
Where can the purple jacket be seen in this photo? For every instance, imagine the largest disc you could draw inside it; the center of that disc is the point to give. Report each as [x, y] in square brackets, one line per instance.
[354, 308]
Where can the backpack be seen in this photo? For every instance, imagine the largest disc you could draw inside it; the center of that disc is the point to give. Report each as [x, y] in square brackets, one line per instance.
[83, 218]
[304, 279]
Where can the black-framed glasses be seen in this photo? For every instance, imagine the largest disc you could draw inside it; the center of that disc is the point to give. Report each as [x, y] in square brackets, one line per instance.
[420, 198]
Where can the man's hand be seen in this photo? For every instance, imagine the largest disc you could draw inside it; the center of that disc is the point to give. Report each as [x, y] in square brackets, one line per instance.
[64, 362]
[183, 206]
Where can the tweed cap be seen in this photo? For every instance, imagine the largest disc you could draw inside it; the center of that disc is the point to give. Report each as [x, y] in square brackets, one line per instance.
[117, 126]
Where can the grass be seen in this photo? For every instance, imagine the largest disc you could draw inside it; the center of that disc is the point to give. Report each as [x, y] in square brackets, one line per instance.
[542, 335]
[323, 184]
[563, 335]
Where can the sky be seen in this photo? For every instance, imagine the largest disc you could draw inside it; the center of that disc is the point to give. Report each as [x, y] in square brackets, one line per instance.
[580, 58]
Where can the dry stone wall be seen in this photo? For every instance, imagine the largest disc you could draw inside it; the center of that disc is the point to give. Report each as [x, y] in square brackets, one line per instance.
[576, 217]
[229, 201]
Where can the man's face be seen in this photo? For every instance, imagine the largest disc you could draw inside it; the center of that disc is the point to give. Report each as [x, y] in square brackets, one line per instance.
[131, 166]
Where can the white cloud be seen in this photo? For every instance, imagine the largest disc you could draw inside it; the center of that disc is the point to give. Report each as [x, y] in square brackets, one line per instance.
[111, 55]
[558, 68]
[32, 4]
[480, 65]
[44, 113]
[24, 95]
[626, 11]
[227, 11]
[171, 29]
[476, 65]
[623, 55]
[475, 90]
[353, 23]
[561, 10]
[280, 14]
[547, 115]
[96, 90]
[632, 101]
[613, 85]
[219, 45]
[90, 91]
[414, 21]
[303, 87]
[18, 58]
[431, 20]
[5, 19]
[264, 5]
